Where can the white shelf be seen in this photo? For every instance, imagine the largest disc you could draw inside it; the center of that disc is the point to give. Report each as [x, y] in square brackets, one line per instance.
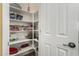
[17, 31]
[24, 22]
[20, 41]
[35, 20]
[12, 8]
[22, 31]
[35, 40]
[35, 30]
[23, 50]
[27, 21]
[14, 20]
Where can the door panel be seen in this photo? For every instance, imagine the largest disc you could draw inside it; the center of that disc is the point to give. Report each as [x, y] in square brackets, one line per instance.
[62, 28]
[62, 19]
[62, 52]
[47, 49]
[58, 23]
[0, 29]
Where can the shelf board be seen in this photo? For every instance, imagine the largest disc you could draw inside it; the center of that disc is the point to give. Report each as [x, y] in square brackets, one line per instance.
[23, 50]
[35, 40]
[27, 21]
[22, 31]
[20, 41]
[17, 31]
[14, 20]
[35, 20]
[35, 30]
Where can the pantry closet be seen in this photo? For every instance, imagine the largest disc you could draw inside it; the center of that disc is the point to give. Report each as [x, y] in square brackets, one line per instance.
[40, 29]
[23, 30]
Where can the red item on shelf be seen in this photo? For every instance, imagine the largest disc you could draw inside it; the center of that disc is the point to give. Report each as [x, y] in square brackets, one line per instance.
[13, 50]
[24, 45]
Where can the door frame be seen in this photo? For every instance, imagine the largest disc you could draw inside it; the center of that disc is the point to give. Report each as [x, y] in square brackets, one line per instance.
[5, 25]
[1, 29]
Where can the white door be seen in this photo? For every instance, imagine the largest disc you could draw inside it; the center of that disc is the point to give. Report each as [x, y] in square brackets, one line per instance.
[59, 29]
